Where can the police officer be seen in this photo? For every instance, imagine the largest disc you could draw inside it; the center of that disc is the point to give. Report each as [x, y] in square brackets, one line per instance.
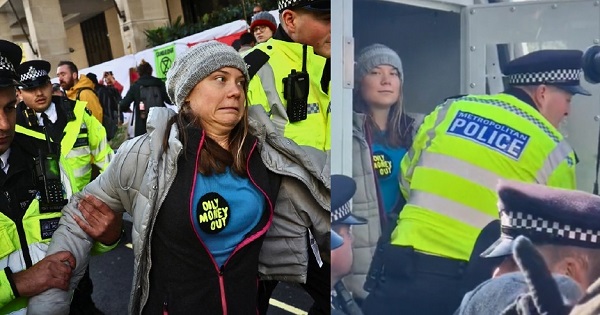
[297, 52]
[67, 130]
[449, 179]
[71, 127]
[26, 218]
[342, 221]
[290, 79]
[563, 226]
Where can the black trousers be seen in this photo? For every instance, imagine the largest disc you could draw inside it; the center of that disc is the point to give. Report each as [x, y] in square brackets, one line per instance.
[317, 286]
[82, 303]
[416, 283]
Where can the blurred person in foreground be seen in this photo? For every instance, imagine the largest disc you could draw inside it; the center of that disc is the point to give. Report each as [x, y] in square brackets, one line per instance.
[342, 222]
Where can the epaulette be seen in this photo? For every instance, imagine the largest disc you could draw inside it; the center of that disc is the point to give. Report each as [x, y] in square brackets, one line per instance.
[455, 97]
[67, 107]
[255, 60]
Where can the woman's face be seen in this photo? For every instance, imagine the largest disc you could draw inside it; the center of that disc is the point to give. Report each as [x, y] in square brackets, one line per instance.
[381, 88]
[219, 100]
[262, 33]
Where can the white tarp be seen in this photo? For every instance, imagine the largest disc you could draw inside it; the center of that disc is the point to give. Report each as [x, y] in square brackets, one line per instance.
[120, 66]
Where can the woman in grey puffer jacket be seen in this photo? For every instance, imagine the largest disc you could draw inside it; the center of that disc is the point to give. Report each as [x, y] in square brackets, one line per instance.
[382, 134]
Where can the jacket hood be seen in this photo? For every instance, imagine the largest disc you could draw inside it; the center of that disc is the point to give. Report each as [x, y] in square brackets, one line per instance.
[84, 82]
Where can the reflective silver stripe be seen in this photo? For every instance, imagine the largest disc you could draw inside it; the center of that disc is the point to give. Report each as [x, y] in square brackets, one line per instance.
[22, 311]
[560, 153]
[82, 171]
[462, 169]
[450, 208]
[278, 112]
[15, 260]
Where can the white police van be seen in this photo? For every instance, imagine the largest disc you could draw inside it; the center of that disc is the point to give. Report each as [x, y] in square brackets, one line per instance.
[454, 47]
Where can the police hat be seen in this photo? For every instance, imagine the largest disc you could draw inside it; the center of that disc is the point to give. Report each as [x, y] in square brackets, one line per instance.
[336, 240]
[342, 190]
[312, 5]
[10, 57]
[560, 68]
[34, 73]
[545, 215]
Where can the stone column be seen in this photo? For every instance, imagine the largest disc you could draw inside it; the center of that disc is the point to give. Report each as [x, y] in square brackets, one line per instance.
[47, 30]
[140, 15]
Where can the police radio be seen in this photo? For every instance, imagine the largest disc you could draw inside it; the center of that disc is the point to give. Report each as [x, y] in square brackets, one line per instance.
[47, 171]
[50, 185]
[295, 91]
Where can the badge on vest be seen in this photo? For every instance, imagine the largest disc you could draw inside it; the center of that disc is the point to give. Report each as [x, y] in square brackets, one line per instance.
[48, 226]
[212, 213]
[382, 164]
[494, 135]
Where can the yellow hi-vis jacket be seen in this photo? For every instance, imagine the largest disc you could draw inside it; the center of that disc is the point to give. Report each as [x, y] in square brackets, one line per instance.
[276, 59]
[24, 241]
[37, 228]
[83, 144]
[463, 148]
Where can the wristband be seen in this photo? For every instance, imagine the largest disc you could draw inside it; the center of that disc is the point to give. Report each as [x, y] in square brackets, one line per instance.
[118, 240]
[10, 279]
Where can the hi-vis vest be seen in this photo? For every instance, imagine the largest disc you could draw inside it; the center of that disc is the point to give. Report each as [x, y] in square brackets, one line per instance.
[463, 148]
[266, 89]
[38, 228]
[84, 142]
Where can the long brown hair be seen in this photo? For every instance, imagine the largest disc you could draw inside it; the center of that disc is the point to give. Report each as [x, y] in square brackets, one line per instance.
[214, 158]
[399, 125]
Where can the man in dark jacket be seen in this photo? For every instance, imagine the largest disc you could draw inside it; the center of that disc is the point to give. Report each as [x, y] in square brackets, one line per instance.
[140, 111]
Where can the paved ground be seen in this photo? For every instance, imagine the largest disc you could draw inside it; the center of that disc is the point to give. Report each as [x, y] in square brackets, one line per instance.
[112, 274]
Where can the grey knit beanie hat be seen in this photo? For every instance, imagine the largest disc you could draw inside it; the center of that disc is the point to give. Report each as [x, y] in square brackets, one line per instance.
[197, 63]
[376, 55]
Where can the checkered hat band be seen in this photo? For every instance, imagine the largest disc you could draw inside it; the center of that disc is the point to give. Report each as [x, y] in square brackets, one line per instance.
[5, 64]
[33, 74]
[282, 4]
[554, 76]
[341, 212]
[519, 220]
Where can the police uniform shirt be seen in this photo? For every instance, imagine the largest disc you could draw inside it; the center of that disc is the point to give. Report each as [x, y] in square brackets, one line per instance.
[4, 161]
[50, 112]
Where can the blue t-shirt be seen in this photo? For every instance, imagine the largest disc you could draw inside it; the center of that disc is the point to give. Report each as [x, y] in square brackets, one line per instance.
[227, 208]
[386, 165]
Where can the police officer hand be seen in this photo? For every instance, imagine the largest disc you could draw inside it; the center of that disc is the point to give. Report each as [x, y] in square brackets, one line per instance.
[101, 223]
[54, 271]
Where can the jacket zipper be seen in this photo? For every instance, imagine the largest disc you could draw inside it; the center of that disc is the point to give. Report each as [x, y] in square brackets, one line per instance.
[222, 289]
[383, 221]
[22, 236]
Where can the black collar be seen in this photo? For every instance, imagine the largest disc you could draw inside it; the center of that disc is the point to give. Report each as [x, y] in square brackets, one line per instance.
[280, 34]
[521, 95]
